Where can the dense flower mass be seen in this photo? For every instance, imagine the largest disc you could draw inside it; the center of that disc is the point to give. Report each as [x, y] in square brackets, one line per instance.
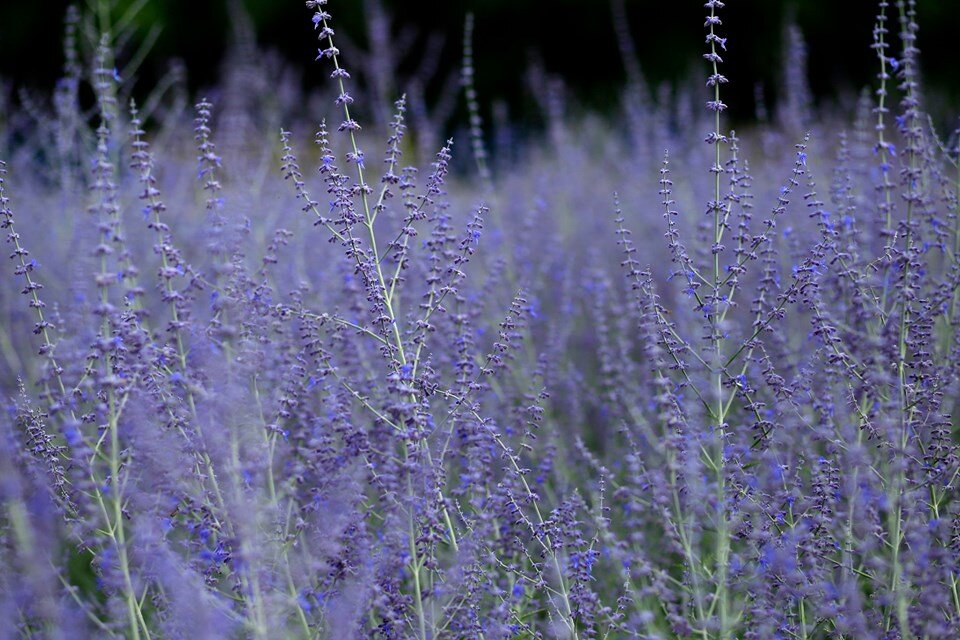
[646, 378]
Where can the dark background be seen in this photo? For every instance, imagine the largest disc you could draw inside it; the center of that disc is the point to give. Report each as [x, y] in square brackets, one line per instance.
[572, 38]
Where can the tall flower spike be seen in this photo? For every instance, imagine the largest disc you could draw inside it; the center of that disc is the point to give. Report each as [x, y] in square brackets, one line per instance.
[25, 267]
[476, 122]
[105, 178]
[715, 207]
[208, 166]
[104, 80]
[393, 155]
[684, 266]
[106, 205]
[207, 159]
[795, 112]
[884, 149]
[910, 120]
[716, 305]
[172, 265]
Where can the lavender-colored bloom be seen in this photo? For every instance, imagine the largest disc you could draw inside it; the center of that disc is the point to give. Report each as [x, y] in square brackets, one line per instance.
[460, 401]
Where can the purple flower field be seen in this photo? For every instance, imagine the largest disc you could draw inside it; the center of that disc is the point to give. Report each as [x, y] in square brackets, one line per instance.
[280, 363]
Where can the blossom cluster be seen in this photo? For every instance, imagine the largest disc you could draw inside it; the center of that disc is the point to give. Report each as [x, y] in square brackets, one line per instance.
[647, 377]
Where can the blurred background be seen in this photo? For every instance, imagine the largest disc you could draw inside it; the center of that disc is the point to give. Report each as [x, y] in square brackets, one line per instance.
[575, 40]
